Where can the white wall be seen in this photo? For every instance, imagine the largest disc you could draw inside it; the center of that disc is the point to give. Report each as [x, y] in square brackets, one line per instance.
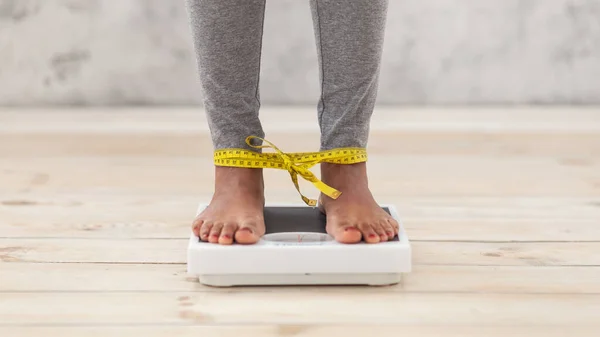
[437, 52]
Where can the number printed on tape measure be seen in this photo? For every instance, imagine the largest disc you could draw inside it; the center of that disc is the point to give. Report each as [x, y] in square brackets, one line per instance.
[248, 159]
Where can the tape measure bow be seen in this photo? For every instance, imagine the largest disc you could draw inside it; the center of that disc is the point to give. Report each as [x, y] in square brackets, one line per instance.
[297, 164]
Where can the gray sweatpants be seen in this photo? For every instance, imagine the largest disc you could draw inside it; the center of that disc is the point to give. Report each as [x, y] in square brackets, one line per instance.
[228, 38]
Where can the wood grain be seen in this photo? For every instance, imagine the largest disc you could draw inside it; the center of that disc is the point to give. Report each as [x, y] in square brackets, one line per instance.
[297, 307]
[89, 277]
[413, 175]
[169, 251]
[300, 330]
[564, 146]
[425, 218]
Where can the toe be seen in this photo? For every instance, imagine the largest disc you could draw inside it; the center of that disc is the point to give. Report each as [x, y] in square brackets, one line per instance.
[205, 230]
[380, 231]
[247, 234]
[343, 232]
[348, 234]
[215, 233]
[226, 237]
[196, 226]
[394, 224]
[389, 230]
[369, 233]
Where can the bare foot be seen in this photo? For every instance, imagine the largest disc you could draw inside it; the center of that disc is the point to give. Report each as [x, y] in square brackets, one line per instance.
[355, 215]
[235, 213]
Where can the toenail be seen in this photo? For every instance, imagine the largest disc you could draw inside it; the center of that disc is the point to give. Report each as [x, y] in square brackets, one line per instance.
[247, 230]
[349, 229]
[372, 235]
[226, 236]
[389, 234]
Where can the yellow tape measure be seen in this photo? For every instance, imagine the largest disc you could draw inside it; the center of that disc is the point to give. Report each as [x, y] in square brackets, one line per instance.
[297, 164]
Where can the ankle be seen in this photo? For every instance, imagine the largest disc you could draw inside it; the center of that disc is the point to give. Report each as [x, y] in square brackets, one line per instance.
[245, 179]
[344, 172]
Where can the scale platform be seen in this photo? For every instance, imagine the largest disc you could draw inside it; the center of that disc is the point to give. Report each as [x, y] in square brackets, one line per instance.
[296, 250]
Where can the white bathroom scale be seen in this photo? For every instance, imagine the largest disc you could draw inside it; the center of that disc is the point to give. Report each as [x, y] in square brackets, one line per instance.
[296, 250]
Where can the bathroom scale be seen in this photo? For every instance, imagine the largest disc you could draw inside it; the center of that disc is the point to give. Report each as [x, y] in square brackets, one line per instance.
[296, 250]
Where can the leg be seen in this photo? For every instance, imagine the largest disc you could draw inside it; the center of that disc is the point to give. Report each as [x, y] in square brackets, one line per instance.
[227, 38]
[349, 37]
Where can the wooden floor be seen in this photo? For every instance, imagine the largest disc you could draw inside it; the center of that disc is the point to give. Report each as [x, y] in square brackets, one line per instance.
[502, 207]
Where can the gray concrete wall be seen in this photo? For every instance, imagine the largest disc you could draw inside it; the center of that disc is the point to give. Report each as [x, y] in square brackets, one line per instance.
[113, 52]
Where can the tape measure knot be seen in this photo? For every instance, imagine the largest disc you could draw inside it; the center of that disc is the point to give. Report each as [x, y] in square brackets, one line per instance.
[288, 164]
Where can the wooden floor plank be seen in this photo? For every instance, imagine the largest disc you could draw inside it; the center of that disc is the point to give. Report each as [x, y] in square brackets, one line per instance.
[567, 148]
[424, 253]
[346, 330]
[425, 218]
[160, 226]
[28, 277]
[297, 308]
[413, 175]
